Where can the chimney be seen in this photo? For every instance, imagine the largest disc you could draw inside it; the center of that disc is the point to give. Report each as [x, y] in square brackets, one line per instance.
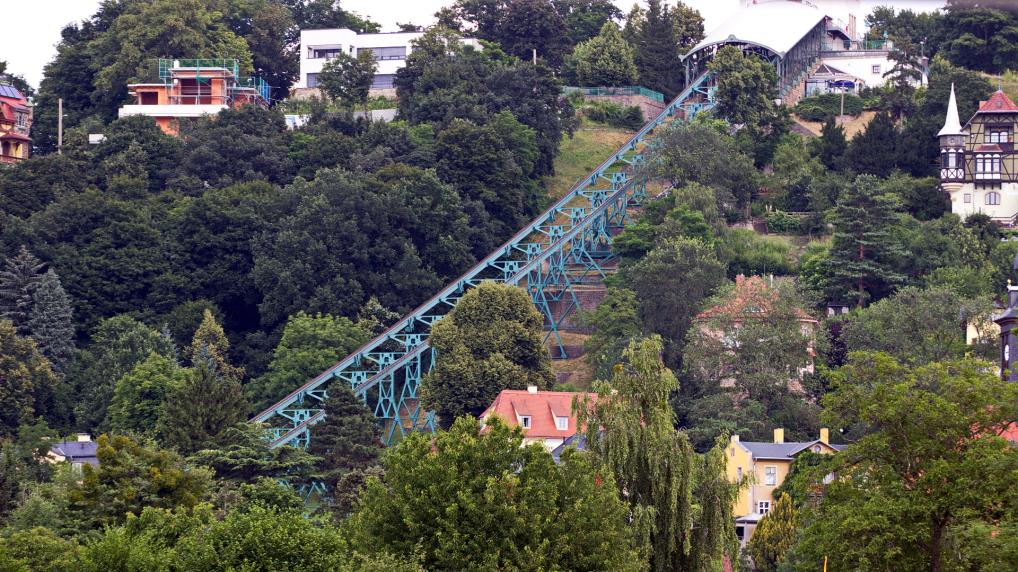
[735, 438]
[84, 438]
[779, 435]
[531, 389]
[825, 435]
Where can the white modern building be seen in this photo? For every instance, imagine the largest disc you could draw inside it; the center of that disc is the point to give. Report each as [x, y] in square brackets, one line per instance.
[390, 50]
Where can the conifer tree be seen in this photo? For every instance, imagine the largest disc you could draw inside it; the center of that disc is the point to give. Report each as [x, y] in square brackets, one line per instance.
[865, 252]
[18, 281]
[210, 341]
[831, 145]
[201, 407]
[774, 536]
[27, 383]
[874, 150]
[51, 323]
[347, 439]
[657, 51]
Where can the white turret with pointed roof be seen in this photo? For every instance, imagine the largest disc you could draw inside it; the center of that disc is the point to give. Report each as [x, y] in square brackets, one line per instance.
[952, 125]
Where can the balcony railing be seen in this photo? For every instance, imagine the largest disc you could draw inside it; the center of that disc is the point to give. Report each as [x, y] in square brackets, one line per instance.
[166, 65]
[627, 90]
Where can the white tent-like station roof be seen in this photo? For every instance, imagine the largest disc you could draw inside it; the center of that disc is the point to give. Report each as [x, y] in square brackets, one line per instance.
[776, 25]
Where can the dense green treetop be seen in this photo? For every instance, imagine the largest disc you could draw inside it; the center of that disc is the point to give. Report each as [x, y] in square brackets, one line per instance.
[492, 340]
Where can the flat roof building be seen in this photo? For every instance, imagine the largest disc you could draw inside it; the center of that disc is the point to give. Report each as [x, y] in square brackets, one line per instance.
[390, 50]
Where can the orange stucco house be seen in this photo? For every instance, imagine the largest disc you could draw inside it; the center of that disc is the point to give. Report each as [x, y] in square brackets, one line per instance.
[193, 88]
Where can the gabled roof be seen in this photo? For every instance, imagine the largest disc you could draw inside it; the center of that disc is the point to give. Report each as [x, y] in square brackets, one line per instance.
[751, 297]
[782, 451]
[777, 26]
[8, 90]
[542, 407]
[999, 102]
[77, 451]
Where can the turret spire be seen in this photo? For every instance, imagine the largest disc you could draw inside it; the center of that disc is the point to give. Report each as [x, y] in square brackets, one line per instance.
[952, 126]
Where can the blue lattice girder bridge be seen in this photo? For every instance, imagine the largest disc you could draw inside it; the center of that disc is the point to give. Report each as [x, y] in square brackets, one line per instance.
[564, 249]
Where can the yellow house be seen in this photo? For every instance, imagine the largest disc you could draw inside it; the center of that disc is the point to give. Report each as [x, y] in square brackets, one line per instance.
[765, 465]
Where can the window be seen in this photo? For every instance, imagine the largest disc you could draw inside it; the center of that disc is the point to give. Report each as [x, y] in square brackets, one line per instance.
[876, 68]
[562, 423]
[148, 98]
[383, 81]
[988, 164]
[740, 532]
[388, 53]
[525, 421]
[993, 198]
[997, 135]
[950, 160]
[770, 476]
[816, 448]
[763, 507]
[312, 80]
[738, 473]
[968, 198]
[21, 119]
[323, 53]
[731, 451]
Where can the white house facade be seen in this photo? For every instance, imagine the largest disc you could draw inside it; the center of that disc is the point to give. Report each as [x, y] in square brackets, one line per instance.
[317, 47]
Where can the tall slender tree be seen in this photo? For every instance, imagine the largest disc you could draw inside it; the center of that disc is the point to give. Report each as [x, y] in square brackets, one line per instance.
[210, 343]
[657, 51]
[680, 503]
[874, 150]
[774, 536]
[18, 280]
[51, 322]
[865, 251]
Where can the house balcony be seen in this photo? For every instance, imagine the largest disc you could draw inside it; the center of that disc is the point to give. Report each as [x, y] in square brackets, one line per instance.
[172, 110]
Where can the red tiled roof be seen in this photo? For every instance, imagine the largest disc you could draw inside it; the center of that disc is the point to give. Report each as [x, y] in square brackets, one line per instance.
[999, 102]
[542, 407]
[751, 297]
[988, 148]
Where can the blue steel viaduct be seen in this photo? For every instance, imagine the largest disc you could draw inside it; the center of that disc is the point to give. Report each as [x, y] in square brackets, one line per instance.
[558, 255]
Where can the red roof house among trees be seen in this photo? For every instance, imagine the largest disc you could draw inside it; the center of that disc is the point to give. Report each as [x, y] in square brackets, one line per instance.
[546, 417]
[15, 125]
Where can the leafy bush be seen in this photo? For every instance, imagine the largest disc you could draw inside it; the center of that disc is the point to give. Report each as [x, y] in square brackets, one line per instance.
[781, 222]
[820, 107]
[625, 117]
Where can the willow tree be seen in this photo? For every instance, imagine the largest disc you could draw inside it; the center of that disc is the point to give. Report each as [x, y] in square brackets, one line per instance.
[681, 503]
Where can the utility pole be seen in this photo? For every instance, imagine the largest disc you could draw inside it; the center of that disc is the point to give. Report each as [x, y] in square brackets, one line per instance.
[60, 125]
[535, 56]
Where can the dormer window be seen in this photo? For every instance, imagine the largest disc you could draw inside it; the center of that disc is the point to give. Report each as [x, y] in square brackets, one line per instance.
[562, 423]
[525, 421]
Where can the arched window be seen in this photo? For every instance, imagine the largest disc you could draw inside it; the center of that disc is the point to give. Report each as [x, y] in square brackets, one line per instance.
[993, 198]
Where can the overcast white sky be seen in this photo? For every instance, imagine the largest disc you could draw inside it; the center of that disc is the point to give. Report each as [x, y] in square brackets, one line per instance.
[30, 43]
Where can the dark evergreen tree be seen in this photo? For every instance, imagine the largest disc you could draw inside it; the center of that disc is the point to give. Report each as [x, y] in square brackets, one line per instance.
[51, 323]
[347, 439]
[865, 252]
[873, 150]
[18, 281]
[657, 51]
[198, 411]
[831, 145]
